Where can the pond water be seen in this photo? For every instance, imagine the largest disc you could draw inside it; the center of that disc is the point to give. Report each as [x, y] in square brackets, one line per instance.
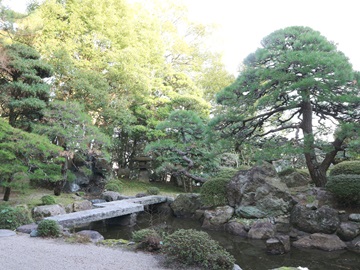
[249, 254]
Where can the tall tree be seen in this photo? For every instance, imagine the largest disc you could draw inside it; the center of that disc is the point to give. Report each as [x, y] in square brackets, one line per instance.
[183, 151]
[68, 126]
[23, 91]
[297, 81]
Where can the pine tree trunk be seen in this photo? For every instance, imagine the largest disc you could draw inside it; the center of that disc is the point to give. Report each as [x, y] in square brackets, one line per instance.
[7, 190]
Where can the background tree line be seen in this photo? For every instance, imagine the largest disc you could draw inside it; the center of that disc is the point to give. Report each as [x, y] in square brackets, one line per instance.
[111, 80]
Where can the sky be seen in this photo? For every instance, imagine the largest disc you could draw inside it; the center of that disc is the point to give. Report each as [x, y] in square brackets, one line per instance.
[242, 24]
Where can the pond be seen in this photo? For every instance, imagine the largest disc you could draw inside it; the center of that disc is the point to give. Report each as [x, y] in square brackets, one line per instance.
[249, 254]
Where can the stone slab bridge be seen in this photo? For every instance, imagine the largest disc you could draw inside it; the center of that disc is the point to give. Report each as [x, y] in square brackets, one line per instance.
[107, 210]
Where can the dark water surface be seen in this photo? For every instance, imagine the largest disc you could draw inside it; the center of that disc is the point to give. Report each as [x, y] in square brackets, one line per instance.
[249, 254]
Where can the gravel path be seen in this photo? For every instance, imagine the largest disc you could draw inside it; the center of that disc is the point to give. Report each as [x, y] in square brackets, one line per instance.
[22, 252]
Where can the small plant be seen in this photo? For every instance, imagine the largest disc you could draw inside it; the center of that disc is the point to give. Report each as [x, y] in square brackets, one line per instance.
[346, 167]
[147, 239]
[153, 191]
[48, 200]
[13, 217]
[114, 185]
[346, 187]
[48, 228]
[193, 247]
[213, 191]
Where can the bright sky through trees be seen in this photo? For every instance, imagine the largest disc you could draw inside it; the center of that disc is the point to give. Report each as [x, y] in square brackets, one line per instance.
[242, 24]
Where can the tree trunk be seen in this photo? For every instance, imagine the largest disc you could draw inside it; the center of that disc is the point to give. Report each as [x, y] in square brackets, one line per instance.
[317, 173]
[7, 191]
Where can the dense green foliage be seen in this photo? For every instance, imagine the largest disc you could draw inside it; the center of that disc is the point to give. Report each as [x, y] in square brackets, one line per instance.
[48, 228]
[23, 92]
[346, 167]
[346, 187]
[48, 200]
[193, 247]
[296, 79]
[183, 150]
[213, 191]
[13, 217]
[26, 155]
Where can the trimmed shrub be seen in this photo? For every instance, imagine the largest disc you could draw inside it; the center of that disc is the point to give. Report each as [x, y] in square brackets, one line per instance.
[147, 239]
[213, 191]
[153, 191]
[48, 200]
[13, 217]
[196, 248]
[114, 185]
[48, 228]
[345, 167]
[346, 187]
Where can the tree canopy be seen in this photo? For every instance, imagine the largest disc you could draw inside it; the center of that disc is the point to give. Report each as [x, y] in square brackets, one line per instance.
[297, 81]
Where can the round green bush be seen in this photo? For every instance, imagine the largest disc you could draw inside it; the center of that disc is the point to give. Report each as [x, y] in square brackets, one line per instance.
[346, 187]
[193, 247]
[48, 200]
[213, 191]
[345, 167]
[114, 185]
[153, 191]
[13, 217]
[48, 228]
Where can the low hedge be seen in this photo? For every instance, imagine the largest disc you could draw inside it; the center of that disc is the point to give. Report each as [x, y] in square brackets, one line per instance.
[346, 167]
[346, 187]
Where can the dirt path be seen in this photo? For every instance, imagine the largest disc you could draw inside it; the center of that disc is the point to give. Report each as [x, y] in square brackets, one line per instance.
[22, 252]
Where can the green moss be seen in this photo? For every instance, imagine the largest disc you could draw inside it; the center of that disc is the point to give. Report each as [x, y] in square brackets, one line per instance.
[213, 191]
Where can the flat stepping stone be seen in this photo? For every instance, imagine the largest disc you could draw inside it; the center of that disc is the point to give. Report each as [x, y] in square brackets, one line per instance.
[5, 233]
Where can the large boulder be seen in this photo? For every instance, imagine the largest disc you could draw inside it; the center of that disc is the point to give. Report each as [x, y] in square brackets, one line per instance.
[110, 196]
[93, 236]
[216, 219]
[328, 242]
[261, 191]
[82, 205]
[41, 212]
[322, 220]
[348, 230]
[278, 245]
[185, 205]
[236, 228]
[262, 230]
[295, 179]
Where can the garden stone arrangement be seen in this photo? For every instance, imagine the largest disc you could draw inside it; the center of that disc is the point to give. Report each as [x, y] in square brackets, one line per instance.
[261, 206]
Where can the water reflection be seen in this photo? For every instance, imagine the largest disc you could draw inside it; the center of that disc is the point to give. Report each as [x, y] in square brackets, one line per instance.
[249, 254]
